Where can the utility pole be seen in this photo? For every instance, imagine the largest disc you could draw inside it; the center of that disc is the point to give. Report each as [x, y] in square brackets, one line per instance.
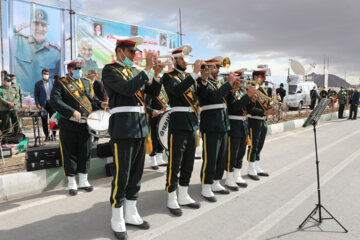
[71, 12]
[180, 26]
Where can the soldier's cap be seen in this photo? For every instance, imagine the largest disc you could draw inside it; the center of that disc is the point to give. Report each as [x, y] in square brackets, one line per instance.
[7, 78]
[218, 61]
[75, 63]
[240, 71]
[39, 15]
[181, 51]
[129, 42]
[259, 72]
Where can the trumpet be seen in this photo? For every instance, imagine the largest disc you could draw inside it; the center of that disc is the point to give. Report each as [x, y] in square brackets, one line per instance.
[155, 61]
[225, 63]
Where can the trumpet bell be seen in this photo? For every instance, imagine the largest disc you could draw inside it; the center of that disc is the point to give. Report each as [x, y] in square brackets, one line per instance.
[226, 63]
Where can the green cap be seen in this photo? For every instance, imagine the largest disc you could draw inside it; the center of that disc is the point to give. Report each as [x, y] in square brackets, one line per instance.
[39, 15]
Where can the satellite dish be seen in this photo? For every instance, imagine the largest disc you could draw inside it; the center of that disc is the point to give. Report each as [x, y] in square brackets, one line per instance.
[297, 67]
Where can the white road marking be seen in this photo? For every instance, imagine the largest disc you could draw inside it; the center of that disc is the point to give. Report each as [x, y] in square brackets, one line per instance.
[156, 232]
[270, 221]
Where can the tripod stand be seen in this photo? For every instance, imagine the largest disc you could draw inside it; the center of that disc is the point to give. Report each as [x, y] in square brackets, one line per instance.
[318, 206]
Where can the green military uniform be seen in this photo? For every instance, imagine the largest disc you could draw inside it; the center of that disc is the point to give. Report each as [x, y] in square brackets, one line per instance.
[181, 91]
[239, 103]
[88, 64]
[214, 126]
[21, 96]
[257, 127]
[67, 95]
[9, 94]
[128, 127]
[341, 96]
[31, 57]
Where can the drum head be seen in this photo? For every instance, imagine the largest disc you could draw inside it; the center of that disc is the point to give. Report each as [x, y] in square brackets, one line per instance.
[163, 129]
[102, 120]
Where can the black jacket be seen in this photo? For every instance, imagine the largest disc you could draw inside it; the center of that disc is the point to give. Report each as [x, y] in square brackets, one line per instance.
[354, 98]
[176, 86]
[99, 90]
[214, 120]
[125, 90]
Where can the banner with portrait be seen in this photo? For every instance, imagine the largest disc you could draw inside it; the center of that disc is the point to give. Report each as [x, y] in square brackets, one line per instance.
[96, 45]
[36, 40]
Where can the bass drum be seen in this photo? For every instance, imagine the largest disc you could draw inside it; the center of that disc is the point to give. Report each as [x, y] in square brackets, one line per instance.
[163, 129]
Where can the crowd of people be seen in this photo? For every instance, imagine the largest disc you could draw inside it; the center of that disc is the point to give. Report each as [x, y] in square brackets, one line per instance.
[343, 97]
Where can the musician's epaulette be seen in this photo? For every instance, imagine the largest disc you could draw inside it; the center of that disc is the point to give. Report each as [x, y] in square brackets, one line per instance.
[63, 79]
[87, 79]
[170, 71]
[55, 45]
[136, 69]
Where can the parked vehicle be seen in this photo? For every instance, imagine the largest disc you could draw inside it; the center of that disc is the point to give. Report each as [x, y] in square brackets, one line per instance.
[299, 92]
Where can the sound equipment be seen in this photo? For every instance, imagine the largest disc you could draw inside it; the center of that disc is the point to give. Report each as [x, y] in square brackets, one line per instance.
[104, 150]
[43, 157]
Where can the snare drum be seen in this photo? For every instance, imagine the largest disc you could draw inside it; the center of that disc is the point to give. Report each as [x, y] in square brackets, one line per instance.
[163, 129]
[99, 127]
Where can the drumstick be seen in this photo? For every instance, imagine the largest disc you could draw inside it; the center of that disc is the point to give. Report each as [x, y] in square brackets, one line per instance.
[107, 101]
[90, 118]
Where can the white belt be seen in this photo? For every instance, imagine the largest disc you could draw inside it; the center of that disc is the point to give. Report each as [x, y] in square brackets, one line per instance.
[213, 106]
[234, 117]
[256, 117]
[138, 109]
[182, 109]
[78, 121]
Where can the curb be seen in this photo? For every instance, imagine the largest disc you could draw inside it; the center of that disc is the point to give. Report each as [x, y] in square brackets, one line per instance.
[16, 185]
[293, 124]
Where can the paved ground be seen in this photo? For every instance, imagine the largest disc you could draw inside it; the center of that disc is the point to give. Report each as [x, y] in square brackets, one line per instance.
[271, 208]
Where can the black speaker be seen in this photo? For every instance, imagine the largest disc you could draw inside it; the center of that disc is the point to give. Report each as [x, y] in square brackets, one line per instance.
[43, 157]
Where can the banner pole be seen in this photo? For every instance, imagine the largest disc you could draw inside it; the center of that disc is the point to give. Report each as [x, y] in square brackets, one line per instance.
[2, 44]
[180, 27]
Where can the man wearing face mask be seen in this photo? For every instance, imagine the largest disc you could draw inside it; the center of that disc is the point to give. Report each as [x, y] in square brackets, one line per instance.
[128, 129]
[184, 122]
[18, 87]
[34, 52]
[73, 98]
[9, 99]
[42, 100]
[85, 52]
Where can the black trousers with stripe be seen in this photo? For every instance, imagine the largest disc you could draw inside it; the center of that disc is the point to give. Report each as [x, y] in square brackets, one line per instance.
[182, 146]
[257, 134]
[215, 148]
[129, 158]
[237, 152]
[157, 148]
[75, 149]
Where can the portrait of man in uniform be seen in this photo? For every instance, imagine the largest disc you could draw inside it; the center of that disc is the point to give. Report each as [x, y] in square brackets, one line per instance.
[34, 52]
[98, 29]
[85, 47]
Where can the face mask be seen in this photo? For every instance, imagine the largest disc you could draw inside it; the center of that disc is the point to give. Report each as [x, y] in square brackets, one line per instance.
[8, 84]
[14, 80]
[46, 77]
[127, 62]
[77, 74]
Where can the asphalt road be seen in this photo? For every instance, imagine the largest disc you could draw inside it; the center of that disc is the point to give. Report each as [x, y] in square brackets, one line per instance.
[271, 208]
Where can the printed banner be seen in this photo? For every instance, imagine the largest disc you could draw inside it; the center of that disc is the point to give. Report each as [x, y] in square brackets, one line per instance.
[36, 43]
[96, 45]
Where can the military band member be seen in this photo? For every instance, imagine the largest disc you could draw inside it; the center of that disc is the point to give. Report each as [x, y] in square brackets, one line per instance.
[239, 102]
[156, 106]
[181, 90]
[73, 98]
[128, 129]
[258, 127]
[214, 127]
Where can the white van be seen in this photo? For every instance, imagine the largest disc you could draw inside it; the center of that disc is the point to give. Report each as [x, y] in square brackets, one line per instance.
[299, 92]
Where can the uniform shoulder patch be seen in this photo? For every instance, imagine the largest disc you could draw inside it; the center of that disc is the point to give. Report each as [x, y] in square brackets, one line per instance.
[170, 71]
[23, 34]
[55, 45]
[136, 69]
